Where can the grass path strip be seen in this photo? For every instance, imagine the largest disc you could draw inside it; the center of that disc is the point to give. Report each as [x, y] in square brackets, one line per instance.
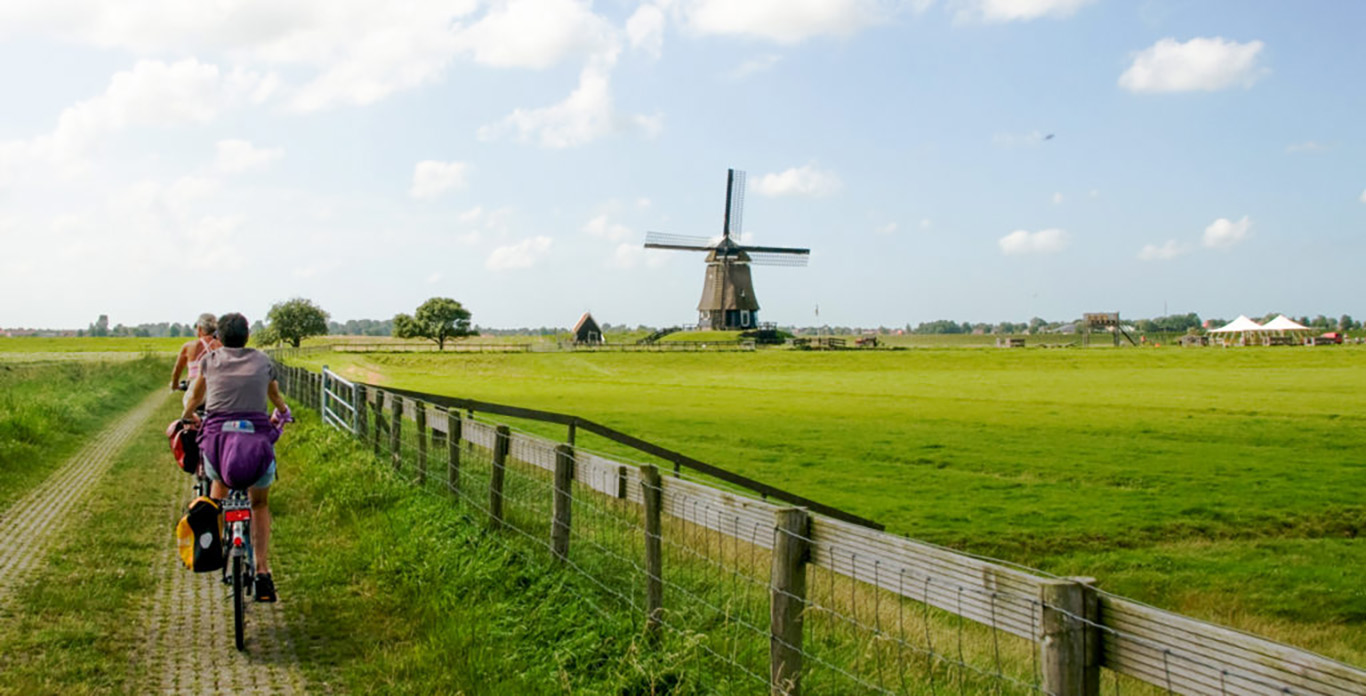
[30, 525]
[187, 628]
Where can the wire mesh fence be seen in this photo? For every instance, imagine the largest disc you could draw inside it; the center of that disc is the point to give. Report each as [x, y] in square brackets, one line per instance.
[825, 606]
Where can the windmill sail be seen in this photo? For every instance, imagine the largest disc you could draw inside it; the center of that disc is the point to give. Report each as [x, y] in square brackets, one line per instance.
[735, 204]
[685, 242]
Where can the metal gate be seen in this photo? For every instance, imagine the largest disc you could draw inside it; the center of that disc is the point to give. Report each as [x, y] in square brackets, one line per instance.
[338, 400]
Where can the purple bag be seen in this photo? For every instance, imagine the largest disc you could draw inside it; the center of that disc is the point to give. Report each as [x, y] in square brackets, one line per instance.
[240, 446]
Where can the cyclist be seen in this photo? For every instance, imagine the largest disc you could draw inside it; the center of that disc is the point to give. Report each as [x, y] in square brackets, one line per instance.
[237, 438]
[194, 351]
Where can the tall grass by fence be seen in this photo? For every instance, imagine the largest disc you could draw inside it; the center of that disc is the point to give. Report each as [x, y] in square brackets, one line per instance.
[783, 600]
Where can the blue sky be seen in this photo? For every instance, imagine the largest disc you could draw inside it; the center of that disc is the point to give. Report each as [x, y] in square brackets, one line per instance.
[161, 158]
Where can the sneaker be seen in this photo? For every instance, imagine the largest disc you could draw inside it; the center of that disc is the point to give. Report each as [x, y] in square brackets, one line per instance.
[265, 588]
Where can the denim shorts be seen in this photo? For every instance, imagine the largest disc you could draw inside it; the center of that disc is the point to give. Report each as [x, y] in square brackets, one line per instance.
[263, 482]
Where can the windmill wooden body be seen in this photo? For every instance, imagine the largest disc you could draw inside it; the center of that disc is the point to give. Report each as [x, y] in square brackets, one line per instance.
[728, 300]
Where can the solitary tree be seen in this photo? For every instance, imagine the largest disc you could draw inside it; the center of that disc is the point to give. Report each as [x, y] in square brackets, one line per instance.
[292, 321]
[437, 319]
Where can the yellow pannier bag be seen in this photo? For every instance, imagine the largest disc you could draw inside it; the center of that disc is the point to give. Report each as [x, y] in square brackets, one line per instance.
[199, 536]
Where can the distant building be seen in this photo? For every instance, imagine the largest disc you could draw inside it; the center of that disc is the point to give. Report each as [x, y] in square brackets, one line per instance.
[587, 330]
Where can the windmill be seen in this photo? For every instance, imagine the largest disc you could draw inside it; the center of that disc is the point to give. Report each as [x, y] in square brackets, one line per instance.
[728, 301]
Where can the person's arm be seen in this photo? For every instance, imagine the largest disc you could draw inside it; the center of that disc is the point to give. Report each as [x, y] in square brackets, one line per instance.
[197, 393]
[180, 362]
[276, 398]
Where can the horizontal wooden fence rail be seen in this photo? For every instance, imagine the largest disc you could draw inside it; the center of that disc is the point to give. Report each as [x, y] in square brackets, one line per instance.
[845, 608]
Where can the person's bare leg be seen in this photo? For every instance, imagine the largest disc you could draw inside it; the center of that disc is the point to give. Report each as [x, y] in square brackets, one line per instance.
[260, 528]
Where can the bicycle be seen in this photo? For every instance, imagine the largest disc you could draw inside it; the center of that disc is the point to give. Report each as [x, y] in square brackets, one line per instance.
[241, 568]
[240, 565]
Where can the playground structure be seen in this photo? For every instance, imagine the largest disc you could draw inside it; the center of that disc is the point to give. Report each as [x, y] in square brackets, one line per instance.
[1103, 321]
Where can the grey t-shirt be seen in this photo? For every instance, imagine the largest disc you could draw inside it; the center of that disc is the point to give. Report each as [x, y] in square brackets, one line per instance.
[237, 380]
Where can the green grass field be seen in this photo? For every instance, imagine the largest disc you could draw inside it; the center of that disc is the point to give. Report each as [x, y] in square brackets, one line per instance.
[1220, 483]
[30, 344]
[48, 410]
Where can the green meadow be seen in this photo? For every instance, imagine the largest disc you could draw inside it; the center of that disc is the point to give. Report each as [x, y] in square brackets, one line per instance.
[1220, 483]
[49, 410]
[22, 347]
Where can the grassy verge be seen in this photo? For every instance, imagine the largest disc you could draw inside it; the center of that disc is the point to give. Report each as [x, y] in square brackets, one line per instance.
[47, 411]
[402, 591]
[77, 628]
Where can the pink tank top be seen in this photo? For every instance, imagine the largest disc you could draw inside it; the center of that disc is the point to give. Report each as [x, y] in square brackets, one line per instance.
[194, 364]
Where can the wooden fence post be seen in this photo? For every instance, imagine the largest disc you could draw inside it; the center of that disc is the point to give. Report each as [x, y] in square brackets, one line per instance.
[379, 418]
[420, 417]
[787, 601]
[453, 437]
[1068, 646]
[501, 443]
[395, 429]
[564, 502]
[651, 484]
[359, 408]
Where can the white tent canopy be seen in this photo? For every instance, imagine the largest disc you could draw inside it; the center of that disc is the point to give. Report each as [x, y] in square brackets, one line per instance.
[1284, 323]
[1240, 325]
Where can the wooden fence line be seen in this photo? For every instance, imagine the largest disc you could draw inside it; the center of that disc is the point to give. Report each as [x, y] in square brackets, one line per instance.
[1077, 629]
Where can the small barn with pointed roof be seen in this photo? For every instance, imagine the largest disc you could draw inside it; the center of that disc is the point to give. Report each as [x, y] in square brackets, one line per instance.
[587, 330]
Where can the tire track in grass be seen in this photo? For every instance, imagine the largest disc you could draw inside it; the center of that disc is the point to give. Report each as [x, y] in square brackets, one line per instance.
[189, 635]
[32, 523]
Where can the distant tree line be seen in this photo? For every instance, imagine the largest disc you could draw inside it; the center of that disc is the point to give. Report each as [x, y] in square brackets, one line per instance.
[158, 330]
[1174, 323]
[445, 319]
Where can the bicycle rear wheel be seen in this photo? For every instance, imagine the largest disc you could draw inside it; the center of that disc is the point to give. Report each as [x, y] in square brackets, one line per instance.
[238, 605]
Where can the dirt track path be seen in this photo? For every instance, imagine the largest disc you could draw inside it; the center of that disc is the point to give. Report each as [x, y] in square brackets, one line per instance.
[187, 623]
[32, 524]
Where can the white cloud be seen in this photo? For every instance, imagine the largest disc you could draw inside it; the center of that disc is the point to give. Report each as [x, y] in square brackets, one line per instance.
[236, 156]
[887, 229]
[1018, 10]
[603, 228]
[645, 29]
[643, 203]
[628, 255]
[926, 223]
[1021, 242]
[1363, 196]
[1306, 146]
[584, 116]
[1224, 233]
[523, 254]
[479, 222]
[1201, 64]
[432, 178]
[1057, 198]
[151, 93]
[1170, 250]
[344, 52]
[538, 33]
[799, 181]
[785, 21]
[754, 66]
[434, 278]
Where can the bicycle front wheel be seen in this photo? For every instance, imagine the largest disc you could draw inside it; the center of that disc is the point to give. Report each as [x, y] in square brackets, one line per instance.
[238, 602]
